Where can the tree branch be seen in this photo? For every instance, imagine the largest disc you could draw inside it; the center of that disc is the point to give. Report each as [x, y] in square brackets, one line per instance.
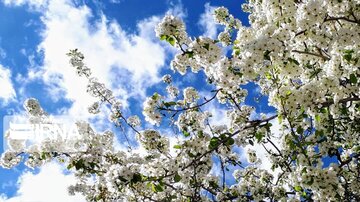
[193, 107]
[329, 18]
[310, 53]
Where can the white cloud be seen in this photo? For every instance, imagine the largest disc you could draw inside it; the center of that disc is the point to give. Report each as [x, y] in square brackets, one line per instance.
[207, 23]
[177, 9]
[34, 4]
[7, 91]
[127, 62]
[115, 1]
[2, 53]
[50, 184]
[2, 197]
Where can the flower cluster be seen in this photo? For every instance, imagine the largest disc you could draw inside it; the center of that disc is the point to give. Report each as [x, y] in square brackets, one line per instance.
[10, 159]
[33, 108]
[134, 121]
[172, 29]
[190, 95]
[94, 108]
[152, 141]
[167, 78]
[76, 60]
[172, 90]
[149, 109]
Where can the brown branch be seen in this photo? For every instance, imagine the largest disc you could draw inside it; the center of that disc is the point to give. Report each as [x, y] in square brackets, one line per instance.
[310, 53]
[189, 108]
[301, 32]
[328, 18]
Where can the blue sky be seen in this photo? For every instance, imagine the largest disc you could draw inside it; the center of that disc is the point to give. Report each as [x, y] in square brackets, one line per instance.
[119, 43]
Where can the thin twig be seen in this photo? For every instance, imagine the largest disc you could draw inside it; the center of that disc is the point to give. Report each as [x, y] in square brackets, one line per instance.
[310, 53]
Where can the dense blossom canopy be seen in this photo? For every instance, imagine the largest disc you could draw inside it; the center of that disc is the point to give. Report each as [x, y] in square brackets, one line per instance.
[303, 54]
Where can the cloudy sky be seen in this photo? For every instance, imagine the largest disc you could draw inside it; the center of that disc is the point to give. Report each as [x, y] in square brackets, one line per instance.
[118, 40]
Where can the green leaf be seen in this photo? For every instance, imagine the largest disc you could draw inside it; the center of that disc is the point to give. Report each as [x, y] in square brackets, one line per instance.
[266, 55]
[173, 197]
[293, 61]
[153, 187]
[353, 79]
[190, 54]
[344, 110]
[169, 104]
[137, 177]
[317, 118]
[200, 134]
[186, 134]
[171, 40]
[92, 165]
[315, 73]
[280, 118]
[163, 37]
[177, 146]
[268, 75]
[213, 184]
[177, 177]
[323, 110]
[349, 52]
[298, 188]
[230, 141]
[236, 50]
[213, 142]
[268, 126]
[70, 166]
[156, 188]
[191, 154]
[310, 182]
[259, 136]
[309, 66]
[222, 136]
[238, 73]
[348, 55]
[79, 164]
[155, 96]
[356, 60]
[300, 130]
[319, 133]
[207, 46]
[43, 155]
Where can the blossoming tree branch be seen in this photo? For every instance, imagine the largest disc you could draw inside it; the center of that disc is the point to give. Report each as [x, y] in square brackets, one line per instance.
[303, 54]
